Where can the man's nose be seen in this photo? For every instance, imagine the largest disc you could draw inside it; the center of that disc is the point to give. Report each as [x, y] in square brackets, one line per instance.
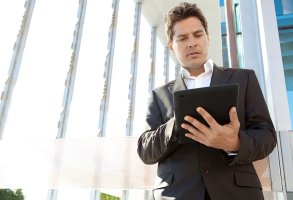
[192, 42]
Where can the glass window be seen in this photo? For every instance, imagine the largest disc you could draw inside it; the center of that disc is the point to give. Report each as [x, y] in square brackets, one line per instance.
[159, 66]
[239, 37]
[36, 102]
[287, 6]
[89, 81]
[9, 31]
[143, 71]
[139, 194]
[224, 35]
[172, 68]
[32, 193]
[286, 42]
[73, 194]
[113, 193]
[118, 103]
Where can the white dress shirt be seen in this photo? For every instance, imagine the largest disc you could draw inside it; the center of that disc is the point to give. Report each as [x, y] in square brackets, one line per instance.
[202, 80]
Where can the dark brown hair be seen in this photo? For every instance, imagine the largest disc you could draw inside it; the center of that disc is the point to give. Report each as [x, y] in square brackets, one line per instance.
[180, 12]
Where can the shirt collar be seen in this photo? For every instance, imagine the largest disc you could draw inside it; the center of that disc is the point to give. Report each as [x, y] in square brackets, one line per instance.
[208, 66]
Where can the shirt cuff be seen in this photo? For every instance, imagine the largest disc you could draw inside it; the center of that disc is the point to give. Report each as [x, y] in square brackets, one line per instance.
[232, 153]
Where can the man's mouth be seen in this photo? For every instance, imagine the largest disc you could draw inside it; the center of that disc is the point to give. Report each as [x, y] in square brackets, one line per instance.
[193, 53]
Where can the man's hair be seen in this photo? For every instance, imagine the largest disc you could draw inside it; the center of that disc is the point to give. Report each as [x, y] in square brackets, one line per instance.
[180, 12]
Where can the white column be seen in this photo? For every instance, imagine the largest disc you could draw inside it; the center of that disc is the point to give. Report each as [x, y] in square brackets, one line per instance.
[261, 48]
[273, 65]
[252, 54]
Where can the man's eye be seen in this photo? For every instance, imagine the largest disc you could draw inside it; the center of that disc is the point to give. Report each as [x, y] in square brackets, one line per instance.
[198, 35]
[182, 39]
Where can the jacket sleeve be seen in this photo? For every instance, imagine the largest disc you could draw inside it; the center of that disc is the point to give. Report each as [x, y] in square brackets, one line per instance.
[159, 140]
[258, 139]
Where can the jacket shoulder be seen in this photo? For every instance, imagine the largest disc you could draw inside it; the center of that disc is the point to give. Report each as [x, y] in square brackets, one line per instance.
[165, 87]
[235, 70]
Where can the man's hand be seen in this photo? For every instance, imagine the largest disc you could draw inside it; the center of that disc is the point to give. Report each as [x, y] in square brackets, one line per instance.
[217, 136]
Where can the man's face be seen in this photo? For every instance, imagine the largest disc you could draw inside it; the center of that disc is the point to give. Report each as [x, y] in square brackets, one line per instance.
[190, 43]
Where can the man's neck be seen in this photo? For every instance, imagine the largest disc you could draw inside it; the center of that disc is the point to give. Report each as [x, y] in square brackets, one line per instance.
[195, 71]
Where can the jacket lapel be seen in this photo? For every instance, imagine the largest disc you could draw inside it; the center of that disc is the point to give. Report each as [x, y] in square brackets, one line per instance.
[221, 75]
[177, 85]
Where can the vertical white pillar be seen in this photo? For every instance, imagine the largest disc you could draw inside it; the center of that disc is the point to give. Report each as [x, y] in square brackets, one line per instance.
[273, 65]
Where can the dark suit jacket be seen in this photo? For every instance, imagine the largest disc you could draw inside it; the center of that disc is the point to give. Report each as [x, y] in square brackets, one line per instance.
[186, 170]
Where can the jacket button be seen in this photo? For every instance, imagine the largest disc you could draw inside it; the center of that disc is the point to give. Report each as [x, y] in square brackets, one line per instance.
[205, 170]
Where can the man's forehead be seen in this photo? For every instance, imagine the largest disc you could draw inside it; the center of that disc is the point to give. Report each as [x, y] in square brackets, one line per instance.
[189, 24]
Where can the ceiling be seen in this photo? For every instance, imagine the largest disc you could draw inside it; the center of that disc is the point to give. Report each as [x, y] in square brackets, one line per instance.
[154, 11]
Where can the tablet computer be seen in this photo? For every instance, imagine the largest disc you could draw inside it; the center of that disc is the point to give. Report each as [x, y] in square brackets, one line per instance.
[216, 100]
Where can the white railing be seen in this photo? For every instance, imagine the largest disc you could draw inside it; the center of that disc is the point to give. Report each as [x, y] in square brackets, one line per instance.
[83, 163]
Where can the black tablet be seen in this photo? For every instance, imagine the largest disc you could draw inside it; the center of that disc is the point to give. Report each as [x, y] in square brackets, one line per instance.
[217, 100]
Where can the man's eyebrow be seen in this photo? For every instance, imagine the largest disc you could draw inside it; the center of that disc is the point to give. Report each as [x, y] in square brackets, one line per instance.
[181, 35]
[198, 31]
[184, 34]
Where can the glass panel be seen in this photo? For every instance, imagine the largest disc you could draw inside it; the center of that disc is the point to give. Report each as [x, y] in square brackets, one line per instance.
[238, 30]
[225, 51]
[88, 88]
[118, 104]
[127, 195]
[142, 84]
[278, 7]
[114, 193]
[159, 67]
[73, 194]
[37, 99]
[137, 194]
[13, 11]
[274, 195]
[239, 39]
[286, 42]
[224, 36]
[172, 68]
[287, 6]
[34, 193]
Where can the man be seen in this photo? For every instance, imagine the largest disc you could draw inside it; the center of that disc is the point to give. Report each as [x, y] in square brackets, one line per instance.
[218, 165]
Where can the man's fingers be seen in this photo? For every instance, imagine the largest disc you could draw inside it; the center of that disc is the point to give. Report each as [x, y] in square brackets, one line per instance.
[207, 117]
[196, 123]
[234, 117]
[189, 128]
[196, 137]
